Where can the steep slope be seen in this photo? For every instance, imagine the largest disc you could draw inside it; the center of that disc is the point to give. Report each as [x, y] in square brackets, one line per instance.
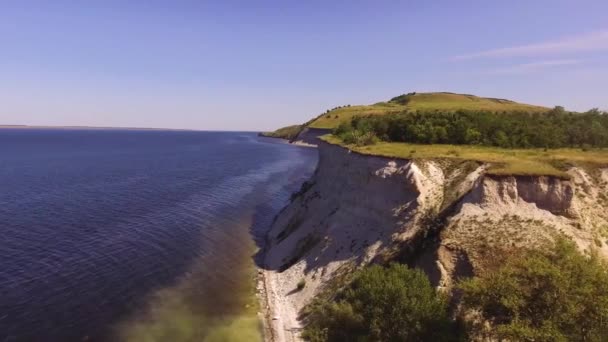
[448, 217]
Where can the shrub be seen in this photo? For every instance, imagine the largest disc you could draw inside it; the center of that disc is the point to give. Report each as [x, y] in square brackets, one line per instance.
[301, 284]
[368, 138]
[554, 295]
[381, 304]
[356, 137]
[350, 137]
[342, 129]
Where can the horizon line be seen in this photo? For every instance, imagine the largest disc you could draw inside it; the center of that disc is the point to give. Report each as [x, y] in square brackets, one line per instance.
[18, 126]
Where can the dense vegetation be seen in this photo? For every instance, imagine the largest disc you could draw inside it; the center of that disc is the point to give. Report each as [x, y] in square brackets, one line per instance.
[554, 295]
[553, 129]
[412, 102]
[382, 304]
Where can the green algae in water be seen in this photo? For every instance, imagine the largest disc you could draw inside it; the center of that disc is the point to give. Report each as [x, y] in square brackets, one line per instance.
[215, 302]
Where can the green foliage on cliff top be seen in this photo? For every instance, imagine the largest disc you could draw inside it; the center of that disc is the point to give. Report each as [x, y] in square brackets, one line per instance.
[382, 304]
[552, 129]
[289, 132]
[556, 294]
[522, 162]
[420, 101]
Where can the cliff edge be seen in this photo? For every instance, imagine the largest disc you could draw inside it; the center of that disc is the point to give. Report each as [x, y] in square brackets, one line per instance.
[447, 217]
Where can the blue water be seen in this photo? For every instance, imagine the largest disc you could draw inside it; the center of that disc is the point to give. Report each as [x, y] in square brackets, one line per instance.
[94, 221]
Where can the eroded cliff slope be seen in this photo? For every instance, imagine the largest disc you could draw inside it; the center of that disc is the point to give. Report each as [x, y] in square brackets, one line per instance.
[446, 216]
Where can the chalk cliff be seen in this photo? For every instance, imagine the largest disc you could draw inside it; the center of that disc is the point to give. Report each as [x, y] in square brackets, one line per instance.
[447, 217]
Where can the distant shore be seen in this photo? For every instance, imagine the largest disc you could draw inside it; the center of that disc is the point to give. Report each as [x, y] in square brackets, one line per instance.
[93, 128]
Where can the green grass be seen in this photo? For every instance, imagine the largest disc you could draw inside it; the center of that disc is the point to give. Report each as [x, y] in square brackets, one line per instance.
[288, 132]
[521, 162]
[345, 114]
[421, 101]
[450, 101]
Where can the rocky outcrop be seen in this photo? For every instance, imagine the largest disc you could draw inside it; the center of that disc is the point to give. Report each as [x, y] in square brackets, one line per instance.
[444, 216]
[548, 193]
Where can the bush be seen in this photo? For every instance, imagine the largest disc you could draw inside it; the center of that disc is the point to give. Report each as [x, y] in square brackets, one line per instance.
[356, 137]
[381, 304]
[342, 129]
[368, 138]
[301, 284]
[350, 137]
[555, 295]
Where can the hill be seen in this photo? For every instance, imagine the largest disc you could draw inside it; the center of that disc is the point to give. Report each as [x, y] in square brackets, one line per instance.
[289, 132]
[420, 102]
[457, 186]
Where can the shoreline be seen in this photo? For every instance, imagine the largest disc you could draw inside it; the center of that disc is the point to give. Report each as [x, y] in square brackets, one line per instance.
[264, 315]
[279, 319]
[289, 142]
[277, 312]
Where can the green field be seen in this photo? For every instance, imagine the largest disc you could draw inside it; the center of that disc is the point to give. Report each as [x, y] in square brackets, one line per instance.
[345, 114]
[421, 101]
[450, 101]
[532, 162]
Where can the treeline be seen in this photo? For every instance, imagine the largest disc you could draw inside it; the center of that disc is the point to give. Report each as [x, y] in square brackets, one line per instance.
[552, 129]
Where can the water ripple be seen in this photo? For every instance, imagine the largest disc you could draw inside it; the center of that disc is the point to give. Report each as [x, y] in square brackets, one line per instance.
[94, 222]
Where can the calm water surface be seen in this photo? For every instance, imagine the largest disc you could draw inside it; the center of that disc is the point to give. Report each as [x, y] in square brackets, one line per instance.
[135, 235]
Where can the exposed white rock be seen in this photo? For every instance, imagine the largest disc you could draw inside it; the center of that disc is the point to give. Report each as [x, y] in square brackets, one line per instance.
[358, 208]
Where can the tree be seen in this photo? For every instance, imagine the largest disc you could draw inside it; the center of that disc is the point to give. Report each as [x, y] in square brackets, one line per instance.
[472, 136]
[501, 139]
[598, 134]
[508, 129]
[342, 128]
[382, 304]
[554, 295]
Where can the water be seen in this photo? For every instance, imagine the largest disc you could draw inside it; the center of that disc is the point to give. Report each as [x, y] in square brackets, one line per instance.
[136, 235]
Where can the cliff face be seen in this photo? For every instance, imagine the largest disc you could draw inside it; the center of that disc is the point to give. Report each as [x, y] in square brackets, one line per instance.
[446, 217]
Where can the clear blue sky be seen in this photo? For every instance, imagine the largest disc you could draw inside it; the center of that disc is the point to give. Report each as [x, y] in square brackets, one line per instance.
[255, 65]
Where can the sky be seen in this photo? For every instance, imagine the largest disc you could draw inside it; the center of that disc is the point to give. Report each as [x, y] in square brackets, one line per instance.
[259, 65]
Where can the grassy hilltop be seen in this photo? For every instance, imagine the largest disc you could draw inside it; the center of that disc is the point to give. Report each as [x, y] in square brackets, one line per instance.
[423, 102]
[411, 102]
[515, 138]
